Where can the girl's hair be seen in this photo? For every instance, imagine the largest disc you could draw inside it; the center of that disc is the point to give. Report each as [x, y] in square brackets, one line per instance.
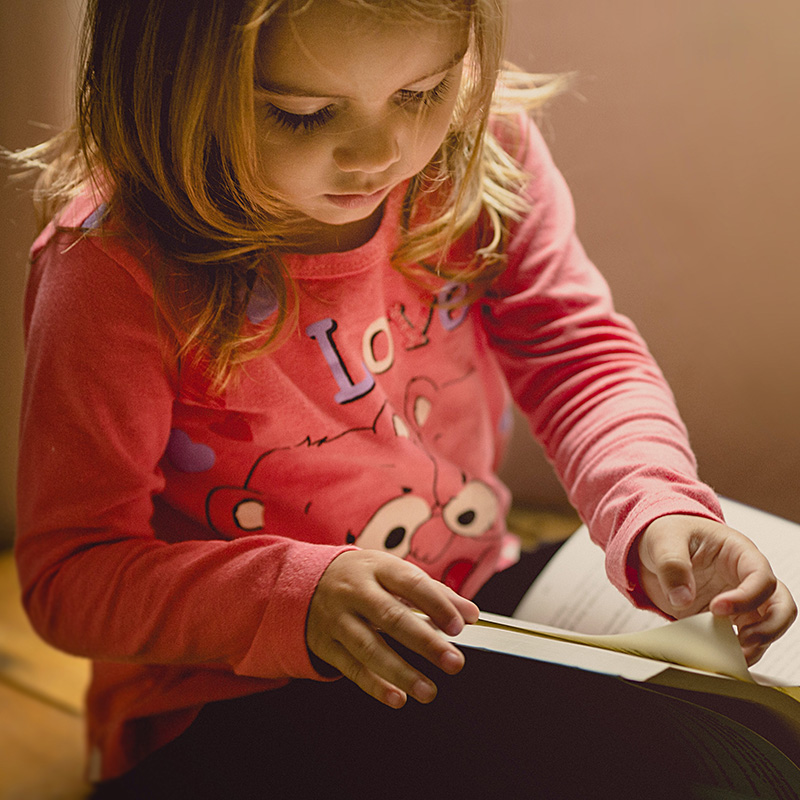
[160, 139]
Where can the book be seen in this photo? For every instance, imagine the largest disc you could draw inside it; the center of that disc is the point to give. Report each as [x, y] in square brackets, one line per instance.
[572, 616]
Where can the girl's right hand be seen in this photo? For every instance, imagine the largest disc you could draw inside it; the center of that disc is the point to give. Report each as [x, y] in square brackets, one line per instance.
[365, 592]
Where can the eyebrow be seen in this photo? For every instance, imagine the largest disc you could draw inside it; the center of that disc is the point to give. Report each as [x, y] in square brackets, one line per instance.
[296, 90]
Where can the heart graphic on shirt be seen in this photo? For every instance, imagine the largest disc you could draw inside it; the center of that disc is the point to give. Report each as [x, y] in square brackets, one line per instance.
[188, 456]
[262, 304]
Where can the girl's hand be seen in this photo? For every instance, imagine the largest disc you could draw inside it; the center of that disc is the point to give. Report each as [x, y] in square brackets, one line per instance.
[363, 592]
[690, 564]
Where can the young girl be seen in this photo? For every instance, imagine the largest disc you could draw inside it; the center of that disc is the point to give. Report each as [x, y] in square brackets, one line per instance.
[300, 263]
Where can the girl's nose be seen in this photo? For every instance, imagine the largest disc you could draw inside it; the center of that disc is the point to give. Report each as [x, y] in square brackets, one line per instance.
[370, 149]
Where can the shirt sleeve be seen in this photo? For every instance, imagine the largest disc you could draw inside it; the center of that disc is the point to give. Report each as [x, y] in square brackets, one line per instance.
[95, 422]
[584, 378]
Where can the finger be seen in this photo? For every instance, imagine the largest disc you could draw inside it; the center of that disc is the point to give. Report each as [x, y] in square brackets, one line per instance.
[370, 683]
[757, 631]
[752, 655]
[754, 590]
[668, 557]
[447, 610]
[754, 645]
[372, 658]
[741, 621]
[416, 633]
[470, 613]
[755, 639]
[777, 618]
[468, 610]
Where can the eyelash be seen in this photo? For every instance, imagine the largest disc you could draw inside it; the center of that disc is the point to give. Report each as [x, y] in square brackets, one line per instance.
[428, 98]
[310, 122]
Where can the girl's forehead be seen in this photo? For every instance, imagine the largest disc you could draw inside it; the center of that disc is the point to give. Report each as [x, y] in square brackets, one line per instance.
[402, 11]
[326, 42]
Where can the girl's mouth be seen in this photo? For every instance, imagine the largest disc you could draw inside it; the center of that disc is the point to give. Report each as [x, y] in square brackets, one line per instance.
[356, 200]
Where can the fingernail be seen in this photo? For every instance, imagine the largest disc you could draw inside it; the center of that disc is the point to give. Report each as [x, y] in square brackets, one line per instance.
[395, 699]
[423, 691]
[451, 661]
[722, 608]
[680, 597]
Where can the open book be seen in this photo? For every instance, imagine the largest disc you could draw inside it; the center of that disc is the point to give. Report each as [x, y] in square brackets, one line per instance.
[572, 616]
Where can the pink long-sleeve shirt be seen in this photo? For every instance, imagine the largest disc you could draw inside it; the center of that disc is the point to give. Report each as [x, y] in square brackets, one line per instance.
[176, 537]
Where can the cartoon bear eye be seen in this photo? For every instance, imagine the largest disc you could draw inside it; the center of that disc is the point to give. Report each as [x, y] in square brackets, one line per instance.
[249, 515]
[393, 525]
[472, 511]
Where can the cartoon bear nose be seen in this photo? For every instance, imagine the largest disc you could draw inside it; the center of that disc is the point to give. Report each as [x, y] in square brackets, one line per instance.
[431, 540]
[469, 514]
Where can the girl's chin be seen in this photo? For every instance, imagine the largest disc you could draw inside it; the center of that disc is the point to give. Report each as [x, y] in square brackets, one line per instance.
[329, 233]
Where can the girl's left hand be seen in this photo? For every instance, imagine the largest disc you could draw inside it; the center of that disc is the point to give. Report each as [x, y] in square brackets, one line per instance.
[690, 564]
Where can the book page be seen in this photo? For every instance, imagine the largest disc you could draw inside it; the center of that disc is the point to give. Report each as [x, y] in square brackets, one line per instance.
[732, 742]
[559, 651]
[702, 642]
[715, 744]
[573, 593]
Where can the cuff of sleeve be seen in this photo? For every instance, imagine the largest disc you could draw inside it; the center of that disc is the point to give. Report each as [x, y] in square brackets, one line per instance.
[622, 562]
[279, 645]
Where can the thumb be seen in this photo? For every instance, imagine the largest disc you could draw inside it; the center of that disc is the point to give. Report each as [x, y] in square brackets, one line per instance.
[666, 554]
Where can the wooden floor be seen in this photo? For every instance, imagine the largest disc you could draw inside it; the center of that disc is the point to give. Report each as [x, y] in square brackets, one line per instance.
[41, 689]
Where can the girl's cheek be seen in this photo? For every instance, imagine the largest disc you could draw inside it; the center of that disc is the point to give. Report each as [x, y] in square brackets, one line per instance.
[279, 149]
[435, 132]
[293, 168]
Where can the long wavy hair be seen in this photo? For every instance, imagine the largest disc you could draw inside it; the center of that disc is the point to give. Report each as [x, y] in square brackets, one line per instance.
[156, 136]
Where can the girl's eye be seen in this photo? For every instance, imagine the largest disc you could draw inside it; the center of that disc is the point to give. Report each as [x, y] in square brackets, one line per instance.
[294, 122]
[430, 97]
[307, 123]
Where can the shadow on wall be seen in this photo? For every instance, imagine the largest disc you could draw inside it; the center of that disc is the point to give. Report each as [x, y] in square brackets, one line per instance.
[679, 142]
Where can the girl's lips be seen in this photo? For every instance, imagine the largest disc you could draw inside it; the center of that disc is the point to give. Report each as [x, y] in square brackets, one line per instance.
[356, 200]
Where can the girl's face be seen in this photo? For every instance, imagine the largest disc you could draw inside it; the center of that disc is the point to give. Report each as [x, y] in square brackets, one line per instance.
[348, 106]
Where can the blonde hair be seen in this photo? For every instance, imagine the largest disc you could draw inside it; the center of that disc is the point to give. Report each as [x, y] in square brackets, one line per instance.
[173, 150]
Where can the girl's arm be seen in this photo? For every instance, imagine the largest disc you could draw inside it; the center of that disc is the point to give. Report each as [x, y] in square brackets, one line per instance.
[583, 376]
[96, 418]
[600, 406]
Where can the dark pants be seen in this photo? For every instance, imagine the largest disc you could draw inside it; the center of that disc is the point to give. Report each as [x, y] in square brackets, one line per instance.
[504, 728]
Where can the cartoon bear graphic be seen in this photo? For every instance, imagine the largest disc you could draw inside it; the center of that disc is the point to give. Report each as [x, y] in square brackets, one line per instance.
[379, 487]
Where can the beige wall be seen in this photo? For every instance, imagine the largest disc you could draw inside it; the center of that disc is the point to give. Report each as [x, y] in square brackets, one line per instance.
[679, 144]
[681, 148]
[36, 44]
